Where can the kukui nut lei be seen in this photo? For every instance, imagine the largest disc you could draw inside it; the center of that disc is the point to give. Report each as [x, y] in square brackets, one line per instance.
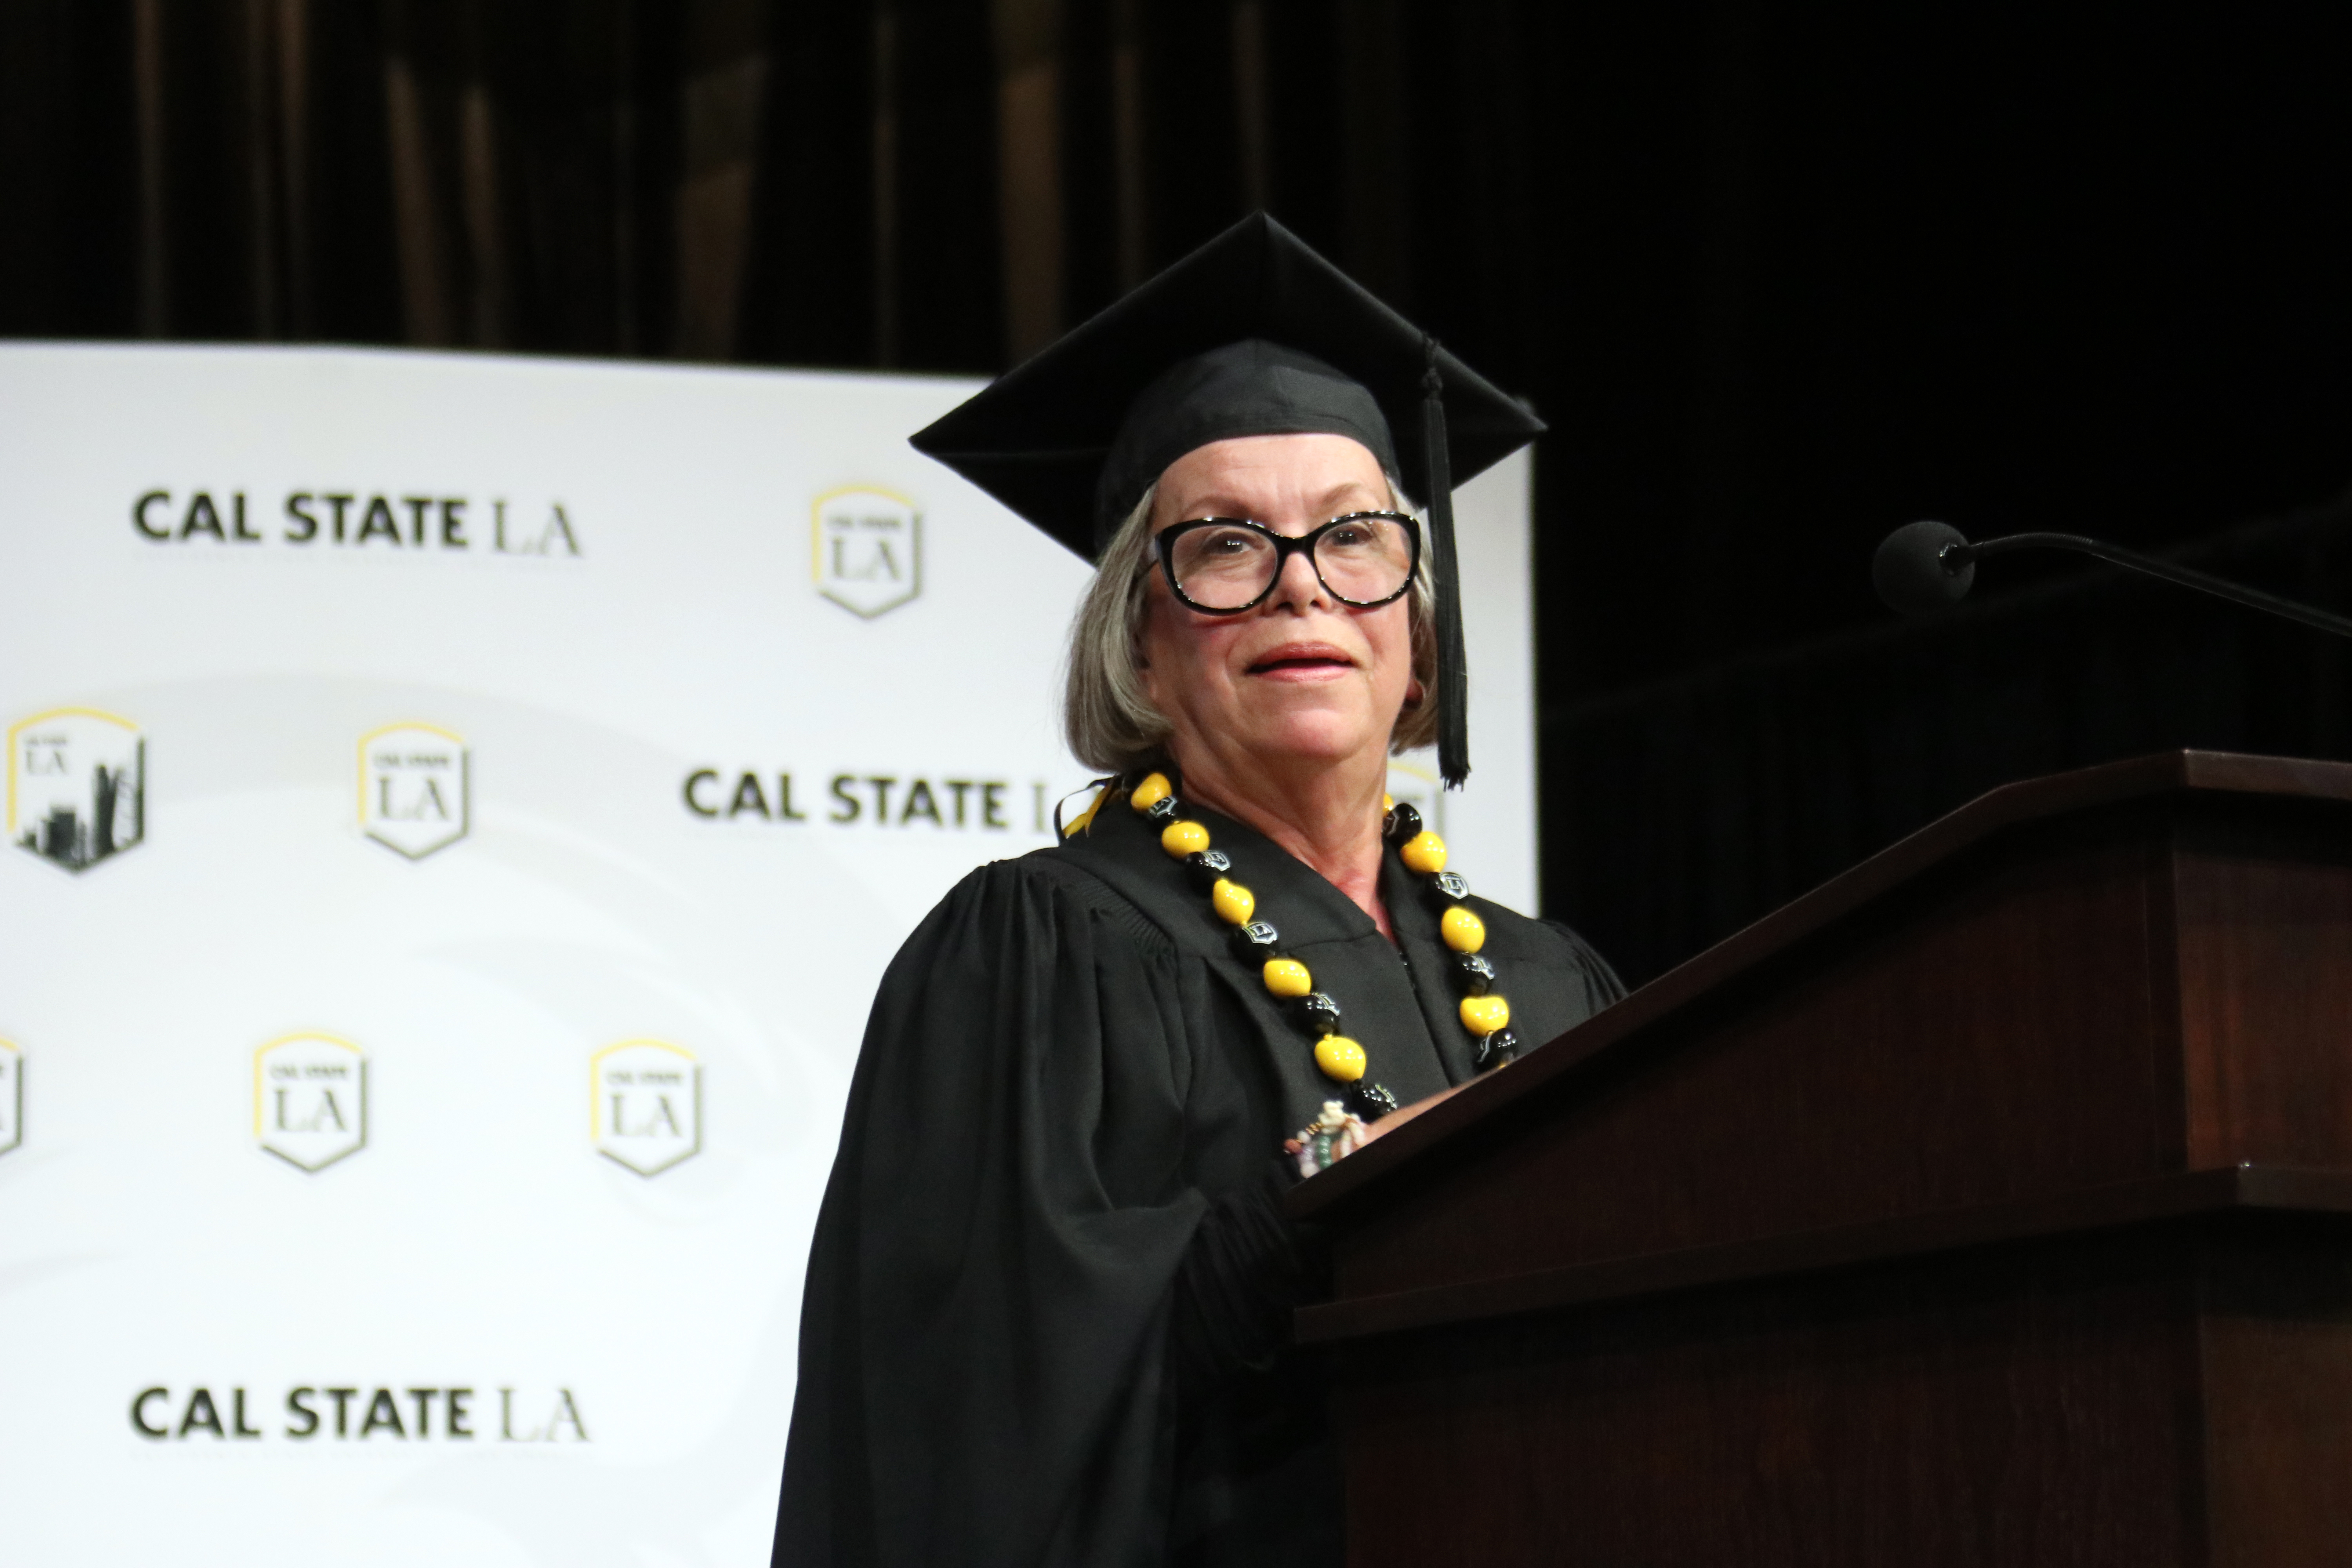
[1484, 1012]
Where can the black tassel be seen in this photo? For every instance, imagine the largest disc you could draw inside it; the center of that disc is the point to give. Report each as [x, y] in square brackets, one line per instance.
[1453, 665]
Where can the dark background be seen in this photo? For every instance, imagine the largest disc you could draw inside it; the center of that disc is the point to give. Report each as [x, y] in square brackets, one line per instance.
[1780, 277]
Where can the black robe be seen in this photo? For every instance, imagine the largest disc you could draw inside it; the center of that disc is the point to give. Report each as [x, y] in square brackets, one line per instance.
[1046, 1319]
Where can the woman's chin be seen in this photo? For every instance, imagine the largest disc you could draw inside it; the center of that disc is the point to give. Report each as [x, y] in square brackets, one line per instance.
[1323, 739]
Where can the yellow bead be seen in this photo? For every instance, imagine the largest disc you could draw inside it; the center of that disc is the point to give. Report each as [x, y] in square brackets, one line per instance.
[1234, 903]
[1339, 1057]
[1388, 803]
[1183, 838]
[1483, 1015]
[1463, 930]
[1287, 977]
[1154, 789]
[1424, 852]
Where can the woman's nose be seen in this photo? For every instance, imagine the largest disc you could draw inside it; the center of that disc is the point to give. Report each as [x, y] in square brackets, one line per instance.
[1298, 586]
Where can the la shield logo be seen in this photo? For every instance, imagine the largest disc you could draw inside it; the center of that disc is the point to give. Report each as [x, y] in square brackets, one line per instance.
[647, 1107]
[867, 549]
[77, 786]
[413, 793]
[309, 1099]
[12, 1096]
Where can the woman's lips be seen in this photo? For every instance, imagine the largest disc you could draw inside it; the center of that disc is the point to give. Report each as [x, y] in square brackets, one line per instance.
[1302, 661]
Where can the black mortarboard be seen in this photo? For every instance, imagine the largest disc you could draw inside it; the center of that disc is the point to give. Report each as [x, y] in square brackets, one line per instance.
[1252, 335]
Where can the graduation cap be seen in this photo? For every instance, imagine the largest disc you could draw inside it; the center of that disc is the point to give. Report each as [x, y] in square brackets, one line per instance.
[1252, 335]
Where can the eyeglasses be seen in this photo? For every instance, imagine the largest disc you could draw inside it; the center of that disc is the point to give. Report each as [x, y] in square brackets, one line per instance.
[1223, 566]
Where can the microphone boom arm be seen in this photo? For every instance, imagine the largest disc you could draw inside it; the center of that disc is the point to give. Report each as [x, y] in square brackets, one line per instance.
[1954, 557]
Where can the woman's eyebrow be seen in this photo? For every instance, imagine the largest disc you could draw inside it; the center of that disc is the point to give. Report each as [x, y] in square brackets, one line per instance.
[1216, 505]
[1332, 497]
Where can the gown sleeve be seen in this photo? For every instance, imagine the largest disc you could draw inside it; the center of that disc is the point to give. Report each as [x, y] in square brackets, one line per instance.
[1594, 973]
[1249, 1268]
[984, 1335]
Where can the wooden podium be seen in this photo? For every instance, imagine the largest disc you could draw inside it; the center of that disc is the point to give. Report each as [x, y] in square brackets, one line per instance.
[1991, 1203]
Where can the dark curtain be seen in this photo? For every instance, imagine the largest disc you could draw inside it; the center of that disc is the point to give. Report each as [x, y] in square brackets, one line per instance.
[1679, 812]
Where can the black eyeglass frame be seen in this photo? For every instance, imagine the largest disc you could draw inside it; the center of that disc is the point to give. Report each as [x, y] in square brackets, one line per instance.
[1286, 545]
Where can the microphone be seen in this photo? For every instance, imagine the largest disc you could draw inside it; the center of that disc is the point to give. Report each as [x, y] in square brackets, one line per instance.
[1924, 567]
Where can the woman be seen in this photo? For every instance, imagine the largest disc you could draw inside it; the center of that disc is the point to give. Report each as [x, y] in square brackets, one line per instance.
[1048, 1302]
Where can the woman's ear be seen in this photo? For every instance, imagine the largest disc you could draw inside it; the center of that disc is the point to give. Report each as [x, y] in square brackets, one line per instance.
[1413, 692]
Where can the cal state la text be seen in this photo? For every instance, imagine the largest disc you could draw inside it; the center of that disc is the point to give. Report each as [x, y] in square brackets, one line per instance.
[357, 518]
[359, 1413]
[886, 800]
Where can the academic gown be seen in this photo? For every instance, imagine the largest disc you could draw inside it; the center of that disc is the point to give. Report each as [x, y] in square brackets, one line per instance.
[1047, 1309]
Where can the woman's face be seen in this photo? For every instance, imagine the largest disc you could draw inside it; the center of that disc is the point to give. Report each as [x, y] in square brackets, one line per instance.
[1300, 678]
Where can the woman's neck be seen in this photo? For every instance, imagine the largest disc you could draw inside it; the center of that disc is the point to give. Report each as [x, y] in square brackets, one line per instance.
[1328, 816]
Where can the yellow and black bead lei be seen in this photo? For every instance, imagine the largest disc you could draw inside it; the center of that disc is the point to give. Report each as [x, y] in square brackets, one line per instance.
[1484, 1012]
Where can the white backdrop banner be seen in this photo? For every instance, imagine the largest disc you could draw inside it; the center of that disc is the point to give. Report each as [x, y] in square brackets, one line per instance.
[457, 812]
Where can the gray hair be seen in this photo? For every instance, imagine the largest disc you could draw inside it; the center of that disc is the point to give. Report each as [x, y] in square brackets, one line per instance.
[1107, 715]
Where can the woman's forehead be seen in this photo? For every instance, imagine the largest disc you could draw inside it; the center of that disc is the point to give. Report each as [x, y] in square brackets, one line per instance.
[1250, 473]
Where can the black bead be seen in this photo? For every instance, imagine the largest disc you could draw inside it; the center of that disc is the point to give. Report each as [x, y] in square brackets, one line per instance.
[1368, 1100]
[1496, 1048]
[1208, 865]
[1403, 822]
[1319, 1013]
[1473, 974]
[1257, 941]
[1162, 810]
